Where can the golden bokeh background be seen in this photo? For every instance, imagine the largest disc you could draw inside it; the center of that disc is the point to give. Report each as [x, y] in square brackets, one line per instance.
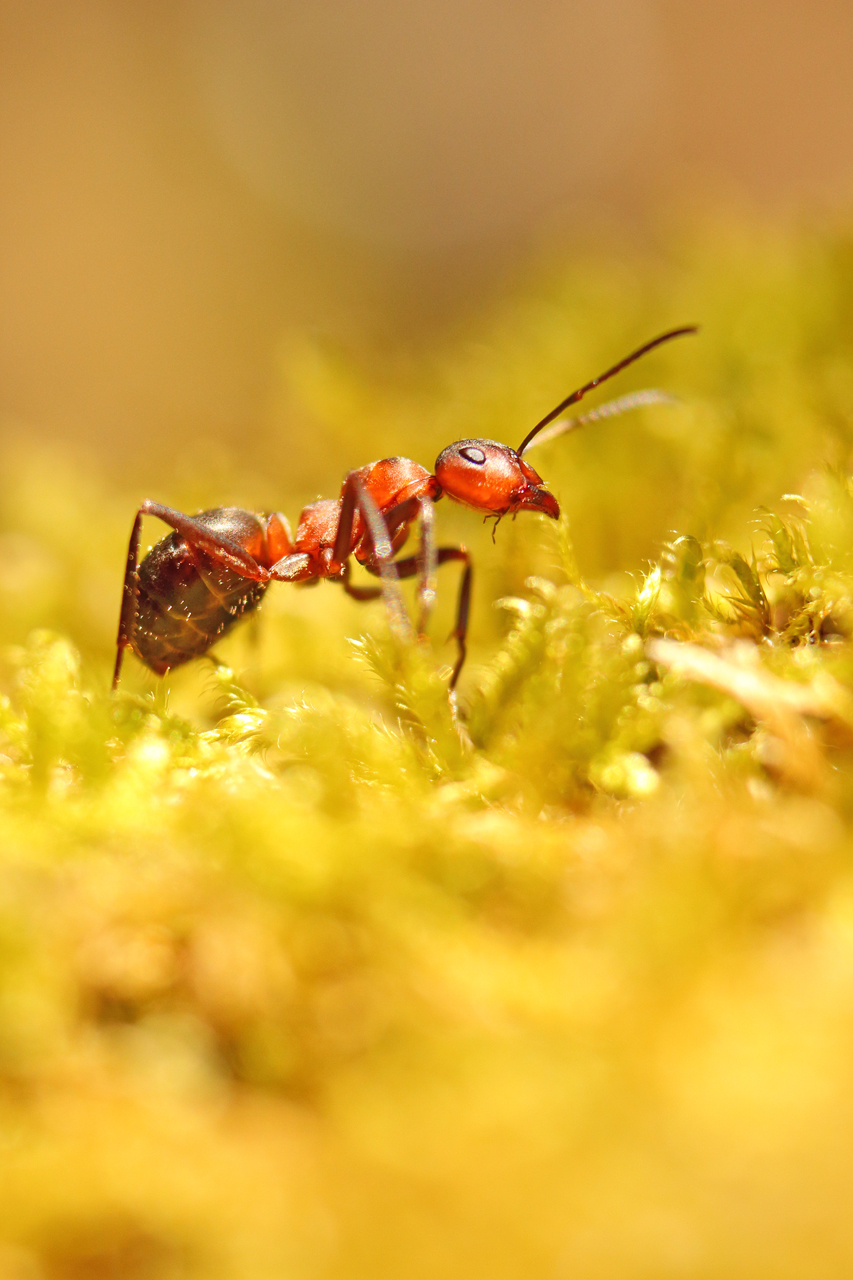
[185, 184]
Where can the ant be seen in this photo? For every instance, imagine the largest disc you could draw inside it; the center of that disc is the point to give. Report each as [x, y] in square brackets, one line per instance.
[214, 567]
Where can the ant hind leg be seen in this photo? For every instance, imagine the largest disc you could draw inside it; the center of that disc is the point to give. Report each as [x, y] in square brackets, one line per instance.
[127, 616]
[221, 549]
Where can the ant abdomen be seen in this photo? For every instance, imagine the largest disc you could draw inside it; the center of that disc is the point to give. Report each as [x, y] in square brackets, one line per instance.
[186, 600]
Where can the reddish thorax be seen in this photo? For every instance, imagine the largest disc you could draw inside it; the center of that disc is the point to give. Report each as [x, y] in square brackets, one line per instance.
[390, 482]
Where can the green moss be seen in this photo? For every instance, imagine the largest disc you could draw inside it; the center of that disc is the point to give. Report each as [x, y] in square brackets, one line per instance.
[305, 970]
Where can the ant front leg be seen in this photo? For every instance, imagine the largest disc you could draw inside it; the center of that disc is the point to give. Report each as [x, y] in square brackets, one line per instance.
[403, 514]
[425, 561]
[409, 567]
[221, 549]
[356, 497]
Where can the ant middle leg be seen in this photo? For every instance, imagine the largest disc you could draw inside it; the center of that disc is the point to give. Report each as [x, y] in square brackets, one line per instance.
[419, 507]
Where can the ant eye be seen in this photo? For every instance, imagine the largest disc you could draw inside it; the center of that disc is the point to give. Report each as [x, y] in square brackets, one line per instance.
[472, 454]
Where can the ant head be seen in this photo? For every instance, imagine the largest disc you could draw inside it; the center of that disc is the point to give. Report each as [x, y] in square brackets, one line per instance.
[495, 479]
[492, 478]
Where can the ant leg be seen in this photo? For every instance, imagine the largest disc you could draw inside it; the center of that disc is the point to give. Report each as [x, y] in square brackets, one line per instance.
[424, 563]
[412, 564]
[358, 593]
[402, 515]
[127, 617]
[296, 567]
[463, 606]
[427, 563]
[354, 496]
[393, 520]
[223, 550]
[343, 548]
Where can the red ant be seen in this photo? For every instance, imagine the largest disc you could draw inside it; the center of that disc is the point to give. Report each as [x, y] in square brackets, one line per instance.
[215, 567]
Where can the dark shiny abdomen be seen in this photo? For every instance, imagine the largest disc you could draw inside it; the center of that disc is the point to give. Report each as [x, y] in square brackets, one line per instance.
[186, 601]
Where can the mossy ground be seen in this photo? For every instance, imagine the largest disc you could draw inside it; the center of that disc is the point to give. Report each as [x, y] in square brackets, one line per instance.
[304, 974]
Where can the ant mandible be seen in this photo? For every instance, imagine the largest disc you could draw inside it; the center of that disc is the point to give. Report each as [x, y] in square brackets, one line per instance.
[215, 567]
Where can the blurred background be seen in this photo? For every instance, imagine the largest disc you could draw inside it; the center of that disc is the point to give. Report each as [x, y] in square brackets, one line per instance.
[186, 184]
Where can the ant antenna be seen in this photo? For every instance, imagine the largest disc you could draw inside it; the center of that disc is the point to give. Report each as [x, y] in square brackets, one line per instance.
[610, 409]
[602, 377]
